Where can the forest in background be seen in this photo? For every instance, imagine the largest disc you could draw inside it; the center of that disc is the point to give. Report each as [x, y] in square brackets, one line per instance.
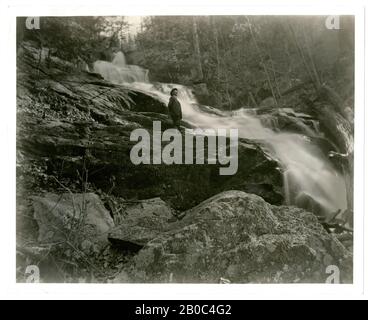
[243, 60]
[230, 61]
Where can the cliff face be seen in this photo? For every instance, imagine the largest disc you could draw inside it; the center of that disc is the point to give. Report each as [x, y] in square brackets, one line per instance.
[73, 132]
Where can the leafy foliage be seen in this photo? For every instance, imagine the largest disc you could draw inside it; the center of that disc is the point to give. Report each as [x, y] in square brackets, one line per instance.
[247, 59]
[76, 38]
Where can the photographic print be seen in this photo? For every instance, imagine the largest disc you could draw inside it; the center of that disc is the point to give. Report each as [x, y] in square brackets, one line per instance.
[185, 149]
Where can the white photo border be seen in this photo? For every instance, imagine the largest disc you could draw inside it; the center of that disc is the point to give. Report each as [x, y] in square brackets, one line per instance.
[9, 287]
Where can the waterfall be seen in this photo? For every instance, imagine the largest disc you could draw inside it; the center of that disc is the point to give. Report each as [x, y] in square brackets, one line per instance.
[310, 180]
[119, 72]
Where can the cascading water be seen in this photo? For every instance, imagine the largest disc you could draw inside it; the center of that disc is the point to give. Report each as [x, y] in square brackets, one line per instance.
[309, 176]
[119, 72]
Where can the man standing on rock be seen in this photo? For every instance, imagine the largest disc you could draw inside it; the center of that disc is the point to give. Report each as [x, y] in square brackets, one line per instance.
[175, 108]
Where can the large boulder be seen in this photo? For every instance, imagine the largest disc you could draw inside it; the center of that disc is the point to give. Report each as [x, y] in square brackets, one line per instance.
[139, 223]
[62, 217]
[241, 238]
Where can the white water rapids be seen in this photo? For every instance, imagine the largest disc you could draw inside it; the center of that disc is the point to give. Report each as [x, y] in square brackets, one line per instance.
[308, 174]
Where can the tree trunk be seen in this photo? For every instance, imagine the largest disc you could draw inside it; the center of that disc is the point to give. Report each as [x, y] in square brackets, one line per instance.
[252, 99]
[215, 34]
[197, 51]
[262, 62]
[302, 56]
[311, 59]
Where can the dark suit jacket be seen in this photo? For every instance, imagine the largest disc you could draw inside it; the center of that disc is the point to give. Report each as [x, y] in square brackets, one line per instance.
[175, 108]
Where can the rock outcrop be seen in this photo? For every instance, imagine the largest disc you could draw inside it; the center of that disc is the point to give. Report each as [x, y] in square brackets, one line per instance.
[140, 222]
[71, 123]
[286, 119]
[66, 216]
[239, 237]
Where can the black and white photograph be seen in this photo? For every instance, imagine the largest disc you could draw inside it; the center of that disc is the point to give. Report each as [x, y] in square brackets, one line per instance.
[184, 148]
